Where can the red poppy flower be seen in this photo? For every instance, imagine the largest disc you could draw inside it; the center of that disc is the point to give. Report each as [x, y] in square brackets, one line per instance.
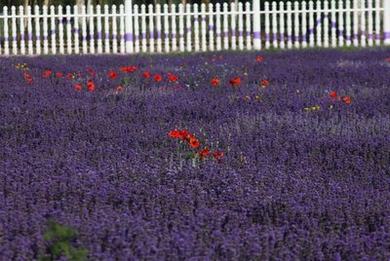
[235, 81]
[28, 77]
[204, 153]
[194, 142]
[119, 89]
[91, 72]
[77, 86]
[259, 58]
[59, 75]
[175, 134]
[172, 77]
[146, 75]
[91, 86]
[387, 59]
[46, 73]
[70, 76]
[346, 99]
[333, 94]
[128, 69]
[215, 81]
[184, 134]
[112, 75]
[157, 78]
[264, 83]
[218, 155]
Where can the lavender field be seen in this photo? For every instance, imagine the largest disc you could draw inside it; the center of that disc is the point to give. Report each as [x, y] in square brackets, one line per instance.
[220, 156]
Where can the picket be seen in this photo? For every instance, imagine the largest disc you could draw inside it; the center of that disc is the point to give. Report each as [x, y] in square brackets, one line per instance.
[248, 26]
[296, 25]
[304, 25]
[340, 23]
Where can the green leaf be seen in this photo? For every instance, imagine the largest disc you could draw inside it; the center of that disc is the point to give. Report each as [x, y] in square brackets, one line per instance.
[78, 254]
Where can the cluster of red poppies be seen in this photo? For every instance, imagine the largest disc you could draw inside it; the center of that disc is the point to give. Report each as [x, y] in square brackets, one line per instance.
[346, 99]
[236, 81]
[73, 76]
[158, 77]
[194, 143]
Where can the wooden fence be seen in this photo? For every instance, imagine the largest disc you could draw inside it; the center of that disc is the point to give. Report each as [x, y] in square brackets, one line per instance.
[177, 28]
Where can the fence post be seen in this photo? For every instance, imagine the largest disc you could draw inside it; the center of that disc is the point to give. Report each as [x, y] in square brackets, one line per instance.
[129, 26]
[256, 24]
[386, 22]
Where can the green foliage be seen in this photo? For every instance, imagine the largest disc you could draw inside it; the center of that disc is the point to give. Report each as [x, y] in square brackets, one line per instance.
[59, 238]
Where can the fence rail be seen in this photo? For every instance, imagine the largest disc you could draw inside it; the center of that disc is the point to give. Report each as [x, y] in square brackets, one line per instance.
[171, 28]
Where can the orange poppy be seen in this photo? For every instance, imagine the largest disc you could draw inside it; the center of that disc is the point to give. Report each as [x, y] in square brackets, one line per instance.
[264, 83]
[77, 86]
[215, 81]
[46, 73]
[91, 86]
[119, 89]
[146, 75]
[175, 134]
[184, 134]
[28, 77]
[194, 142]
[69, 76]
[235, 81]
[259, 58]
[333, 94]
[112, 75]
[346, 99]
[128, 69]
[157, 78]
[172, 77]
[91, 72]
[204, 153]
[218, 155]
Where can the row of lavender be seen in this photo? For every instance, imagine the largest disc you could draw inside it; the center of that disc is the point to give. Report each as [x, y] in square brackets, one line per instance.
[100, 146]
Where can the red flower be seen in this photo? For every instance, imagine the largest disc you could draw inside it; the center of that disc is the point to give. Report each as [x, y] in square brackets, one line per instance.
[346, 99]
[264, 83]
[157, 78]
[204, 153]
[146, 75]
[333, 94]
[46, 73]
[387, 59]
[70, 76]
[119, 89]
[128, 69]
[184, 134]
[194, 142]
[215, 81]
[59, 75]
[175, 134]
[112, 75]
[91, 72]
[259, 58]
[91, 86]
[218, 155]
[235, 81]
[77, 86]
[28, 77]
[172, 77]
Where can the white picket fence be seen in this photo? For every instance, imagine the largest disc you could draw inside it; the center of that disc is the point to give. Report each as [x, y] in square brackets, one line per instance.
[132, 29]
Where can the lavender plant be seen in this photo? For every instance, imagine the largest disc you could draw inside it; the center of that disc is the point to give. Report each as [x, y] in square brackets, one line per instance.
[305, 171]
